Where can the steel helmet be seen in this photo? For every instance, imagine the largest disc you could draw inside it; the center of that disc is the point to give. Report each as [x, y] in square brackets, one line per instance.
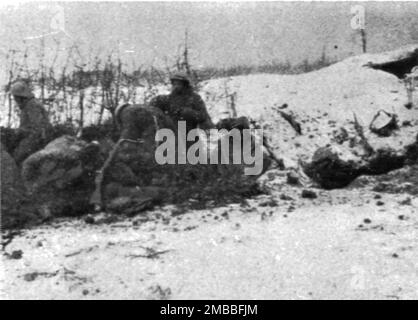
[181, 76]
[21, 89]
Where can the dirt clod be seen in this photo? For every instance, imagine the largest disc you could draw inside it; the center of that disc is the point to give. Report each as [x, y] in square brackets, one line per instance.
[89, 220]
[292, 178]
[309, 194]
[285, 197]
[406, 202]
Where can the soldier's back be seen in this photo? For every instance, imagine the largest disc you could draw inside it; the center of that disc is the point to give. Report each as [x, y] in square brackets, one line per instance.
[34, 117]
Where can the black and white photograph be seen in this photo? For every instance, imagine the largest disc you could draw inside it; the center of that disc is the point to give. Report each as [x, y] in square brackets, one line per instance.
[209, 150]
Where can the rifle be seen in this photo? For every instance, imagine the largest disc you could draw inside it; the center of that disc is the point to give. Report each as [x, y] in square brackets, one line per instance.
[97, 197]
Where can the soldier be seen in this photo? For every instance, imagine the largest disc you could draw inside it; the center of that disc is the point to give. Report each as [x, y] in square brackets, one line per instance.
[184, 104]
[34, 123]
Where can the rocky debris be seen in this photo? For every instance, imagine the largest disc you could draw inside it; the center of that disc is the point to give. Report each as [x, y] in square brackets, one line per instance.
[269, 155]
[406, 202]
[309, 194]
[292, 121]
[12, 190]
[15, 208]
[411, 152]
[239, 123]
[119, 172]
[384, 123]
[326, 100]
[159, 293]
[409, 105]
[89, 219]
[364, 142]
[16, 254]
[32, 276]
[60, 177]
[140, 121]
[398, 62]
[130, 205]
[285, 197]
[150, 253]
[293, 178]
[330, 171]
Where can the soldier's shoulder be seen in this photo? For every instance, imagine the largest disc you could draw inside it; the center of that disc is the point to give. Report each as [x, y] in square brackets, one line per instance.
[159, 99]
[196, 95]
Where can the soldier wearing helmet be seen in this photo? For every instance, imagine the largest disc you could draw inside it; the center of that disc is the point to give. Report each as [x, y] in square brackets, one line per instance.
[184, 104]
[34, 123]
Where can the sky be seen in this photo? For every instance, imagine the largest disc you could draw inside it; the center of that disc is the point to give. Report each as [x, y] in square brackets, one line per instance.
[220, 34]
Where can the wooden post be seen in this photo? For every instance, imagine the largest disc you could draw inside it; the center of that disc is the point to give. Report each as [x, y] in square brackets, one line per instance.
[363, 40]
[233, 108]
[97, 197]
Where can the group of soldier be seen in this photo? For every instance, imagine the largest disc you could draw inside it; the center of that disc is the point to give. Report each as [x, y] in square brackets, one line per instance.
[182, 104]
